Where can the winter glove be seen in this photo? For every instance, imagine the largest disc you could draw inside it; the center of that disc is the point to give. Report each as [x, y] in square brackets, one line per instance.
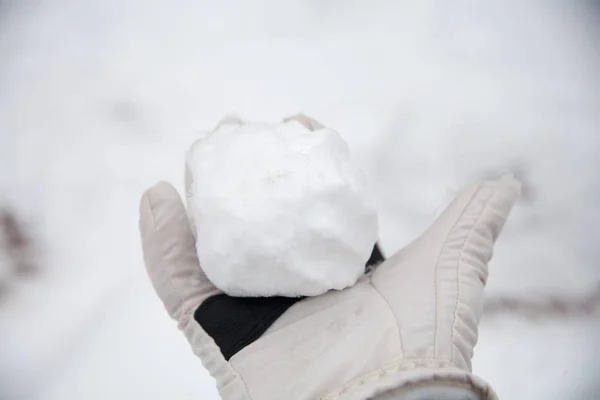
[406, 330]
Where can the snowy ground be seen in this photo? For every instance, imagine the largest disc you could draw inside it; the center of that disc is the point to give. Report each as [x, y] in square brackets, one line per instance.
[100, 98]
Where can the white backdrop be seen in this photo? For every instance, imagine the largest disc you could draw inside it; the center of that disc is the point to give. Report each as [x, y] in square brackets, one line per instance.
[100, 98]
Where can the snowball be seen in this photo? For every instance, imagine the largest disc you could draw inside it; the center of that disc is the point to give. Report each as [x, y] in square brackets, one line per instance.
[278, 209]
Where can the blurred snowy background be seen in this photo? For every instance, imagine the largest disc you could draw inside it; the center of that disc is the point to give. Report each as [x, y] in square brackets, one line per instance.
[100, 98]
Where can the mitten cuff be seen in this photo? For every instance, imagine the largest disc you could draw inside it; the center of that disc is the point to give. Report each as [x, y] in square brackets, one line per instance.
[415, 378]
[431, 391]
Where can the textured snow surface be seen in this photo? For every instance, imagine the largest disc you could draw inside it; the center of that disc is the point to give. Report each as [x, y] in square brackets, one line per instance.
[98, 98]
[279, 210]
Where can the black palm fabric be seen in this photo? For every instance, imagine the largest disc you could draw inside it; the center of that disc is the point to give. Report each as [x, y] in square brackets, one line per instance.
[236, 322]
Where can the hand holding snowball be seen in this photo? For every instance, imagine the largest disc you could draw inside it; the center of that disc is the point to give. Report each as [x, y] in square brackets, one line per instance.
[404, 331]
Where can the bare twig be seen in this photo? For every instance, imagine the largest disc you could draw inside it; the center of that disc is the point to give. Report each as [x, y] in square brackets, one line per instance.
[16, 248]
[548, 306]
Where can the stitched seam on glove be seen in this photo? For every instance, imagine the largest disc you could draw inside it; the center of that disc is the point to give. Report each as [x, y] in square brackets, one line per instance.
[392, 314]
[437, 265]
[461, 262]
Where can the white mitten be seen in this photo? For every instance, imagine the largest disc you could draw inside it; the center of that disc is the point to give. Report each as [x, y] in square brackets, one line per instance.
[405, 331]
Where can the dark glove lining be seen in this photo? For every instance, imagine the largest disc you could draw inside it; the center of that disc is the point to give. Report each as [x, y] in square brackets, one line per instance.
[375, 259]
[236, 322]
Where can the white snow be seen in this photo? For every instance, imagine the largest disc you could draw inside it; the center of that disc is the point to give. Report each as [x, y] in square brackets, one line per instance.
[278, 210]
[99, 98]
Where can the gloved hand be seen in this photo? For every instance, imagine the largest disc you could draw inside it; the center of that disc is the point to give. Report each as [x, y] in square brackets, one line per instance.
[406, 330]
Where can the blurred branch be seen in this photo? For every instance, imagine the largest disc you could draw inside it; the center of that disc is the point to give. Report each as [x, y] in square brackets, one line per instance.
[16, 245]
[549, 306]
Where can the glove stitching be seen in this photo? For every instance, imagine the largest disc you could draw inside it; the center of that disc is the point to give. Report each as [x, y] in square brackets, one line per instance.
[435, 274]
[461, 261]
[389, 306]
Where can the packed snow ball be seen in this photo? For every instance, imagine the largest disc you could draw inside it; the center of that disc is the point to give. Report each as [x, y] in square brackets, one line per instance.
[278, 210]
